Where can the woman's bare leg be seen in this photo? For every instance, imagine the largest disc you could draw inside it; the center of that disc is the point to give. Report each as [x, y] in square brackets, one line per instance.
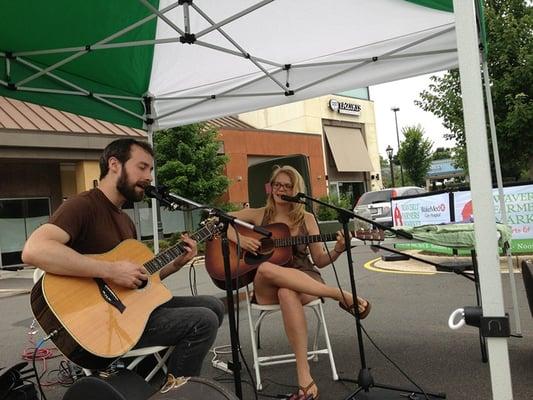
[273, 277]
[295, 324]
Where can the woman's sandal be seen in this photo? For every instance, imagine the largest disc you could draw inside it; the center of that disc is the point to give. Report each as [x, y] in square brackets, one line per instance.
[363, 314]
[304, 395]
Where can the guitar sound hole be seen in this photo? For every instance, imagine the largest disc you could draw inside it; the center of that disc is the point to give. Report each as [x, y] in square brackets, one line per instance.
[143, 284]
[267, 246]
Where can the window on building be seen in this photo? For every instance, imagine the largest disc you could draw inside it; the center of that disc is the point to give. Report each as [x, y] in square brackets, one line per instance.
[18, 219]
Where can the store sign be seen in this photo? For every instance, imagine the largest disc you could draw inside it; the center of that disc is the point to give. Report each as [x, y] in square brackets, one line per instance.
[343, 107]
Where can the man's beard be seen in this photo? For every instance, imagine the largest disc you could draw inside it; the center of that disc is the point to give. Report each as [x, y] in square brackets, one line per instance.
[127, 189]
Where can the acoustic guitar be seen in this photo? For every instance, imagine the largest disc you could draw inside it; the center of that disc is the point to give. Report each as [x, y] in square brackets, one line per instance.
[276, 249]
[93, 322]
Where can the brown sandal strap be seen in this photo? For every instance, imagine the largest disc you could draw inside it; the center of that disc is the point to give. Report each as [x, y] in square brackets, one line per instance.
[306, 389]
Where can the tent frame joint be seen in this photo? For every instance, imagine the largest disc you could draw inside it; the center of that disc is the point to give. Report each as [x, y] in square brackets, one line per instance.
[12, 86]
[182, 2]
[189, 38]
[289, 93]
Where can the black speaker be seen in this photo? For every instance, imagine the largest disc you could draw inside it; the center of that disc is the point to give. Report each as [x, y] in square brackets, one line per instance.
[121, 385]
[527, 274]
[259, 175]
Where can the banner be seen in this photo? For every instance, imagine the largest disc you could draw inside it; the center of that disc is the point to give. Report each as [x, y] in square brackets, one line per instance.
[421, 210]
[519, 208]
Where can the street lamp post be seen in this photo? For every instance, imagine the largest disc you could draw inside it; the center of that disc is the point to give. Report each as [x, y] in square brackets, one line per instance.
[396, 109]
[389, 151]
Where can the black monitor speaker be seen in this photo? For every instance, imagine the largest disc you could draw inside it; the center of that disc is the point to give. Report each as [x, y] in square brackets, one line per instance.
[121, 385]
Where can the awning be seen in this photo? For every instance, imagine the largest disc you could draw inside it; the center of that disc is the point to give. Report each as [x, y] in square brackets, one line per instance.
[348, 149]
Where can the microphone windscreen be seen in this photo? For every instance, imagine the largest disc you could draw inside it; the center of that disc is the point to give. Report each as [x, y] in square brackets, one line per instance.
[150, 191]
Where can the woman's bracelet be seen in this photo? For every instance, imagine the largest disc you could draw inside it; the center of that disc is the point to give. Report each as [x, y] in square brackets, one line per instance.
[337, 251]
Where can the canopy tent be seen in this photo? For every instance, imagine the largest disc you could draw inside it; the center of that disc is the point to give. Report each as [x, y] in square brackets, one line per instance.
[203, 60]
[158, 64]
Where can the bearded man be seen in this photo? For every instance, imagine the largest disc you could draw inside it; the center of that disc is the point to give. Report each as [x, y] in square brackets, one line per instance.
[93, 222]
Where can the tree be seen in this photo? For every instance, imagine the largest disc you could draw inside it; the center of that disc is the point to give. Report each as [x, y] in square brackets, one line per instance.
[415, 154]
[442, 153]
[188, 162]
[510, 62]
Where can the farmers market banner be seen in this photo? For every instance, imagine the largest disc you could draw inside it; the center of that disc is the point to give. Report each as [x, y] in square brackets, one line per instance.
[457, 207]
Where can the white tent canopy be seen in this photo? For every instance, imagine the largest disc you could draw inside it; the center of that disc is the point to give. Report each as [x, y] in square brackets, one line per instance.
[325, 44]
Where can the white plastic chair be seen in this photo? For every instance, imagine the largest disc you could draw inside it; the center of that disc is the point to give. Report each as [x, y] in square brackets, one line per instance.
[137, 354]
[255, 326]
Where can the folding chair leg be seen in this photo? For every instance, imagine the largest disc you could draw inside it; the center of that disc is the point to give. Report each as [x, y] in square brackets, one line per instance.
[317, 333]
[334, 374]
[258, 384]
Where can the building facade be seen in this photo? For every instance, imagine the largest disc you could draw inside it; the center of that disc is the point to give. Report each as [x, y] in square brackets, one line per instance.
[345, 126]
[45, 156]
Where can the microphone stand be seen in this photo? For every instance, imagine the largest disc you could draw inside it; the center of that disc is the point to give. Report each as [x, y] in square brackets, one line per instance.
[171, 200]
[365, 381]
[226, 220]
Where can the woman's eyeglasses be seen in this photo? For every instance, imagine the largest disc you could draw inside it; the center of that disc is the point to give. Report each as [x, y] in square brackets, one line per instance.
[278, 185]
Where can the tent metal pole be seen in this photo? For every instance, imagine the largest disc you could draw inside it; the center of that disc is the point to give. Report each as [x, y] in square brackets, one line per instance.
[155, 205]
[481, 189]
[154, 201]
[503, 210]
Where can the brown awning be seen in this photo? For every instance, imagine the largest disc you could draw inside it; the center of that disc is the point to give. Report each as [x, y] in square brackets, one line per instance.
[348, 148]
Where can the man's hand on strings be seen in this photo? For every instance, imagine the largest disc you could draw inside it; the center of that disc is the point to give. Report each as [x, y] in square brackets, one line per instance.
[127, 274]
[191, 249]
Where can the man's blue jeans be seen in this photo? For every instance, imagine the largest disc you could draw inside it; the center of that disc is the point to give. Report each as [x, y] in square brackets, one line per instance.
[188, 322]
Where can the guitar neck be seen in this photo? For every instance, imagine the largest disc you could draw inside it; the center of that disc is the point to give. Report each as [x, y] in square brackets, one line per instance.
[296, 240]
[168, 255]
[324, 237]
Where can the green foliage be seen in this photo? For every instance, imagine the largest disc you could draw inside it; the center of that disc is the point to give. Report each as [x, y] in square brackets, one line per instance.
[442, 153]
[415, 154]
[229, 207]
[328, 214]
[386, 178]
[510, 63]
[189, 164]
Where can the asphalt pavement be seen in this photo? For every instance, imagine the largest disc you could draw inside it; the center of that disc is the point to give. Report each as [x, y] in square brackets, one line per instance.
[408, 324]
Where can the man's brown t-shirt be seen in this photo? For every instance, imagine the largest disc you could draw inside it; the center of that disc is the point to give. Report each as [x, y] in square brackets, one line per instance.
[94, 223]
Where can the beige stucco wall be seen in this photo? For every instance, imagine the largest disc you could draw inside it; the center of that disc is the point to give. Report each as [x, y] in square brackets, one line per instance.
[68, 179]
[306, 116]
[86, 173]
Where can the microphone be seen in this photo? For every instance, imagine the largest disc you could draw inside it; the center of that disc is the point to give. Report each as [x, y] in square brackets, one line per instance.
[293, 199]
[165, 199]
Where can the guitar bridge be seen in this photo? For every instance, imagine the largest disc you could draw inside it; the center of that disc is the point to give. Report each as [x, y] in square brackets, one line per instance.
[109, 296]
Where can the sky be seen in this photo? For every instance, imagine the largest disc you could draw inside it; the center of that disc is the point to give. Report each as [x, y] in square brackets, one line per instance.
[402, 94]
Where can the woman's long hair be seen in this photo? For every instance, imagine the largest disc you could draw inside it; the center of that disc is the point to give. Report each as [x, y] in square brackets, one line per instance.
[297, 212]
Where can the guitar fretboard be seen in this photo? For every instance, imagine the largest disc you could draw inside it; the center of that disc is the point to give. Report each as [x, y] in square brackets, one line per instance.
[324, 237]
[296, 240]
[166, 256]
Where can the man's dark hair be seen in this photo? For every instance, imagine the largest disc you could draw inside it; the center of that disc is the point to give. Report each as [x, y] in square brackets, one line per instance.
[121, 150]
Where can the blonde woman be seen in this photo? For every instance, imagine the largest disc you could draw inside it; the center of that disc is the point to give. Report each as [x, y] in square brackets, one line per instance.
[293, 287]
